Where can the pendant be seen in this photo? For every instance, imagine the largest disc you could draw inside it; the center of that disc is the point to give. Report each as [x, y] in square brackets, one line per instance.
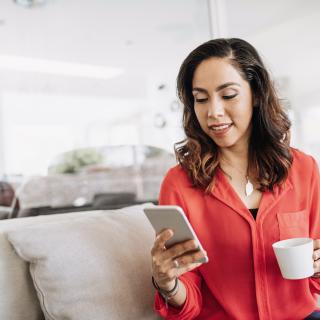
[249, 188]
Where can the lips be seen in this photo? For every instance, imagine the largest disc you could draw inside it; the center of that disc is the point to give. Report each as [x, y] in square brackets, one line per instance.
[220, 127]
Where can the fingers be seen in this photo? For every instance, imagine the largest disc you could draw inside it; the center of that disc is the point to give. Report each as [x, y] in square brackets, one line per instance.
[189, 260]
[316, 255]
[316, 244]
[181, 248]
[163, 271]
[166, 271]
[187, 268]
[316, 263]
[160, 241]
[316, 266]
[168, 264]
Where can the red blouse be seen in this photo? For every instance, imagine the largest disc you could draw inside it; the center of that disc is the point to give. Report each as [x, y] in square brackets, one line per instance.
[242, 279]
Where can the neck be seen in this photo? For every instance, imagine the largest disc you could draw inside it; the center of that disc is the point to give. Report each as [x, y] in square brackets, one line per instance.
[235, 157]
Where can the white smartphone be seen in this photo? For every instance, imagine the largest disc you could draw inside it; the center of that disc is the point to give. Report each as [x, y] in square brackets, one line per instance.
[172, 217]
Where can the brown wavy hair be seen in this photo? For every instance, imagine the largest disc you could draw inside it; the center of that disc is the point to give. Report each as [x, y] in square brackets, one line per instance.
[269, 151]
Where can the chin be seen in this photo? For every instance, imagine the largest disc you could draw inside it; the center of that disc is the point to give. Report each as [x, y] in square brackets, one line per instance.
[228, 141]
[224, 143]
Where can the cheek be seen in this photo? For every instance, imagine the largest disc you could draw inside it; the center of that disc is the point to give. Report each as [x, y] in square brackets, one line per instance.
[199, 114]
[202, 117]
[242, 116]
[248, 115]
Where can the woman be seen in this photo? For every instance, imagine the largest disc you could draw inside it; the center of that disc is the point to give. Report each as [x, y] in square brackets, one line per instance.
[242, 188]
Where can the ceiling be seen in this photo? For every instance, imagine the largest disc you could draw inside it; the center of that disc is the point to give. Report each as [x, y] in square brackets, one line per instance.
[139, 36]
[146, 38]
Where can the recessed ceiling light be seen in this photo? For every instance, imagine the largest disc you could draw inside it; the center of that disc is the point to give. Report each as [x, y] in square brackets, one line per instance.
[29, 3]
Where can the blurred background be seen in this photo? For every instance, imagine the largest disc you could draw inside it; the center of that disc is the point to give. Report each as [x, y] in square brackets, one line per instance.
[87, 88]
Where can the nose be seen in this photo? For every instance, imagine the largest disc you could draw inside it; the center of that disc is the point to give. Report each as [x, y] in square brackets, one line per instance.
[215, 109]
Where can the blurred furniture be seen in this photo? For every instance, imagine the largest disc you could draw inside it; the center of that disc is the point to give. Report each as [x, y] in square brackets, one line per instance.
[4, 212]
[9, 205]
[79, 266]
[108, 177]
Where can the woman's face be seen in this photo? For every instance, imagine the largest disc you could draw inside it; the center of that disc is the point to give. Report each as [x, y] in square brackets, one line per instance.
[222, 103]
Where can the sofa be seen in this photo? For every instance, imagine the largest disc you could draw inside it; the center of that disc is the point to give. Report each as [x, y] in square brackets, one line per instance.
[77, 266]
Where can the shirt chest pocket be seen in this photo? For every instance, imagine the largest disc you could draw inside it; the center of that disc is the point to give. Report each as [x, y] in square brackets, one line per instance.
[293, 224]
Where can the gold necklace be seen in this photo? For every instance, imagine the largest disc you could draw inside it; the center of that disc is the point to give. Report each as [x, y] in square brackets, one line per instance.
[249, 186]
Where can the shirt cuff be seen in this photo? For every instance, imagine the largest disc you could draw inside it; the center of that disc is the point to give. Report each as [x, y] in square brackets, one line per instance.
[189, 310]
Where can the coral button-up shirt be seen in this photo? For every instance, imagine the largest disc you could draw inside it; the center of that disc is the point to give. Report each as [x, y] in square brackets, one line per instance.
[242, 279]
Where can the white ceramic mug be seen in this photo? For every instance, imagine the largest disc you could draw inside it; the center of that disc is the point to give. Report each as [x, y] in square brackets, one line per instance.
[294, 257]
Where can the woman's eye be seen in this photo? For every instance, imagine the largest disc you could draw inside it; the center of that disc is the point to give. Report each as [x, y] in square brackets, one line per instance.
[229, 97]
[201, 100]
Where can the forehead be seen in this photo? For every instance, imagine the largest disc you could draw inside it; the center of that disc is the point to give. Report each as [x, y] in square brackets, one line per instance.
[214, 72]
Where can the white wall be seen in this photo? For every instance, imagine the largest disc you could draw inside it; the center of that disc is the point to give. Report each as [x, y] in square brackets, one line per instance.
[42, 115]
[292, 50]
[46, 114]
[38, 127]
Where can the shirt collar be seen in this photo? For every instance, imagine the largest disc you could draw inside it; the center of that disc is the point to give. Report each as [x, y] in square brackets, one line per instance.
[224, 192]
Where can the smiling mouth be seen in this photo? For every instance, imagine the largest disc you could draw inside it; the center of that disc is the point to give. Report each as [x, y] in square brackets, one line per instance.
[220, 127]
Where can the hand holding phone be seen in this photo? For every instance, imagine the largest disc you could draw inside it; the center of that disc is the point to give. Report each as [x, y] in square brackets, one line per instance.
[172, 217]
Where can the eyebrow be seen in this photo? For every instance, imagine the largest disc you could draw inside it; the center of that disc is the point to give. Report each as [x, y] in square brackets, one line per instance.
[222, 86]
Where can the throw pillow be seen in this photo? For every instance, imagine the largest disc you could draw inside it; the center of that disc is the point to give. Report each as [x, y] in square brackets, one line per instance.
[92, 267]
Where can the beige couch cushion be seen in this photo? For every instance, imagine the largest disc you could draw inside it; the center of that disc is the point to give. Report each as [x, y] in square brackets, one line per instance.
[18, 299]
[17, 295]
[94, 266]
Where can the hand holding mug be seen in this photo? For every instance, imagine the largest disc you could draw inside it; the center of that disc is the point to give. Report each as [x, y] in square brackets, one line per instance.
[316, 258]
